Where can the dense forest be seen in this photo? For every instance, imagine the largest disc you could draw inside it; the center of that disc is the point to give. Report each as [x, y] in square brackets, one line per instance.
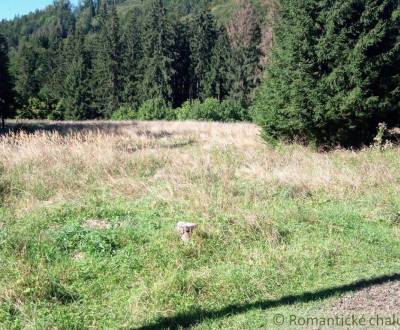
[138, 59]
[316, 71]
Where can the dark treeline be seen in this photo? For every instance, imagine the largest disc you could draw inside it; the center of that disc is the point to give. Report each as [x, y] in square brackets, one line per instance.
[332, 68]
[161, 59]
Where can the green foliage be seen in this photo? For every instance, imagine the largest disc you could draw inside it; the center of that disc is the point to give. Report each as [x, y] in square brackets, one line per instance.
[154, 109]
[76, 92]
[124, 113]
[207, 110]
[35, 108]
[334, 74]
[184, 111]
[28, 70]
[107, 62]
[212, 109]
[6, 87]
[86, 63]
[181, 66]
[219, 75]
[157, 55]
[58, 111]
[202, 41]
[245, 34]
[132, 56]
[232, 110]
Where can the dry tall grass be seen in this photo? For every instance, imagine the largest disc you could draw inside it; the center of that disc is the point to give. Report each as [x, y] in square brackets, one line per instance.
[189, 162]
[272, 222]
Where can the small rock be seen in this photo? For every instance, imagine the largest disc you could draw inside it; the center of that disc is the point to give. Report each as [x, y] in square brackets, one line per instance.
[185, 229]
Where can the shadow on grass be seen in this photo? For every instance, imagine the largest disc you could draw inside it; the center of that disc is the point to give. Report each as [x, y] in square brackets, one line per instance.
[192, 318]
[65, 128]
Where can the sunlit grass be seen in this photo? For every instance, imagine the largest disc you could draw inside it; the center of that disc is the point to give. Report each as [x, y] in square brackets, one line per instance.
[272, 223]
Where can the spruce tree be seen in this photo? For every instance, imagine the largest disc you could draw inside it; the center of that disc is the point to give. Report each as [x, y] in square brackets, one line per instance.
[203, 36]
[76, 91]
[245, 36]
[334, 73]
[182, 77]
[132, 55]
[107, 62]
[27, 71]
[219, 76]
[158, 54]
[6, 88]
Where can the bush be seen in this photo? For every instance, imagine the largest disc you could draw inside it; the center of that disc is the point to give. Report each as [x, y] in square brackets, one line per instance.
[212, 109]
[184, 112]
[124, 113]
[232, 110]
[334, 72]
[58, 112]
[208, 110]
[34, 109]
[154, 109]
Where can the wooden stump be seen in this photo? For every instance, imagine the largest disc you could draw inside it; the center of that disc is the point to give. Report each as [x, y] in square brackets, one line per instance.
[185, 229]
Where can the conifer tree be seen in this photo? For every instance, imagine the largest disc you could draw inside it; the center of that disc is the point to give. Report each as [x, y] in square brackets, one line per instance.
[27, 72]
[203, 36]
[182, 77]
[6, 88]
[86, 15]
[334, 73]
[76, 92]
[107, 63]
[219, 75]
[133, 54]
[158, 53]
[245, 36]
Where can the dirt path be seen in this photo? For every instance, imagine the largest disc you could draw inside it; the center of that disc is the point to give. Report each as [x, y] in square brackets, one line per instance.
[383, 298]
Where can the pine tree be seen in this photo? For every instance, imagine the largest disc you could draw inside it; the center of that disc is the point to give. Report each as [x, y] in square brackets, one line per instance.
[50, 83]
[158, 54]
[76, 92]
[86, 15]
[133, 54]
[27, 71]
[219, 75]
[334, 74]
[182, 77]
[203, 36]
[107, 63]
[90, 4]
[6, 88]
[245, 36]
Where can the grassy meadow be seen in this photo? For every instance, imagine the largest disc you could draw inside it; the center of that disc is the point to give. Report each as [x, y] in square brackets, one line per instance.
[88, 213]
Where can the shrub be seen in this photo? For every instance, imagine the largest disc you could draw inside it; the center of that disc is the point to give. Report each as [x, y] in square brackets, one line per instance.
[154, 109]
[58, 112]
[34, 109]
[124, 113]
[208, 110]
[232, 110]
[184, 112]
[212, 109]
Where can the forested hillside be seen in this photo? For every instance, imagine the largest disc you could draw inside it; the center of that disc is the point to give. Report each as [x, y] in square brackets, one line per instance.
[127, 59]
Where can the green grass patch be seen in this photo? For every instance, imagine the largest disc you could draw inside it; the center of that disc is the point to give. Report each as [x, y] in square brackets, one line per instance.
[58, 272]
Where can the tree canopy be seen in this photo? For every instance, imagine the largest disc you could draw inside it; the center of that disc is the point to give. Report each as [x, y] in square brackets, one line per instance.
[103, 56]
[334, 74]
